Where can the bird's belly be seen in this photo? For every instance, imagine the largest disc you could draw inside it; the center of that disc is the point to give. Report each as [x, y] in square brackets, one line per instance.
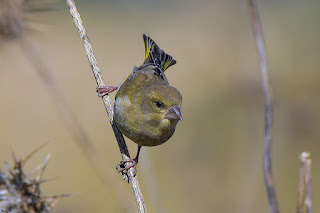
[147, 136]
[140, 132]
[137, 128]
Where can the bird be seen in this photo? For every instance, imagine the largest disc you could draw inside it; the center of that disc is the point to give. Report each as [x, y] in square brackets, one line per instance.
[146, 108]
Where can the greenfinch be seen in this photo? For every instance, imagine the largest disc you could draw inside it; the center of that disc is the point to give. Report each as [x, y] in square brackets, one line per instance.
[146, 108]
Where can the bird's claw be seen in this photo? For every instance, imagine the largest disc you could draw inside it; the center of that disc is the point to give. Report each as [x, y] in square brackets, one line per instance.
[124, 166]
[105, 90]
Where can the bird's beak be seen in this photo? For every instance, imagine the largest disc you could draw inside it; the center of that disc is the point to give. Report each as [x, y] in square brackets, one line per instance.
[173, 113]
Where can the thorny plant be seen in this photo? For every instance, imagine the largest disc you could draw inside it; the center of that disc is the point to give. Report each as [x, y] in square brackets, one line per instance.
[21, 193]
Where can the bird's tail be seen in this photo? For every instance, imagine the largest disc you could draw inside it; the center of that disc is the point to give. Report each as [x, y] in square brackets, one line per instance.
[154, 55]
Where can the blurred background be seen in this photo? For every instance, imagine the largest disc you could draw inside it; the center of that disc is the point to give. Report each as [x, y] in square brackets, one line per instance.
[213, 163]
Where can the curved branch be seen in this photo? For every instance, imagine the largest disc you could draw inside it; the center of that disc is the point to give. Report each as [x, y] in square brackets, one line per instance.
[267, 163]
[107, 102]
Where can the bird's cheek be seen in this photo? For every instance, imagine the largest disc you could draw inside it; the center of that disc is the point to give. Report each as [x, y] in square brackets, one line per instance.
[152, 119]
[165, 123]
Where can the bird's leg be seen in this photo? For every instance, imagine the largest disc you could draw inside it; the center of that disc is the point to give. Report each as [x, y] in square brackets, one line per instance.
[105, 90]
[123, 169]
[137, 156]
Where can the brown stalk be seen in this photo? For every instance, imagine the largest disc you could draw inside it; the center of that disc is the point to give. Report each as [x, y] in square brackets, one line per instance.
[304, 192]
[107, 103]
[267, 163]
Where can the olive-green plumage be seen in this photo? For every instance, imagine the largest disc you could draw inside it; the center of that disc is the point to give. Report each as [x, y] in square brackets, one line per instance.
[147, 108]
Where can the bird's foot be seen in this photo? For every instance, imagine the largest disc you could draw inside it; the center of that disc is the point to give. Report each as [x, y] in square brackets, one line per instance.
[105, 90]
[124, 166]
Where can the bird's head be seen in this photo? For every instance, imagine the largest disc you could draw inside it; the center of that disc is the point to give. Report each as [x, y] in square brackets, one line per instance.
[163, 104]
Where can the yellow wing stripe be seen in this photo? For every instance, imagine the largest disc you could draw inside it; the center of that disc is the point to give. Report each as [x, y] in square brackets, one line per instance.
[148, 44]
[167, 63]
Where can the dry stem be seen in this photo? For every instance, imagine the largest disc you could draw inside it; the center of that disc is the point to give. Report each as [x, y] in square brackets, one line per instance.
[107, 102]
[267, 164]
[304, 193]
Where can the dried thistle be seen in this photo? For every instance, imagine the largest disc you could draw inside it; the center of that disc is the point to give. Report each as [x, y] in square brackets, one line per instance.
[12, 17]
[15, 16]
[20, 193]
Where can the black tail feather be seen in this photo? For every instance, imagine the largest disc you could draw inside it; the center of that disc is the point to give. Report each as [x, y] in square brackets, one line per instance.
[154, 55]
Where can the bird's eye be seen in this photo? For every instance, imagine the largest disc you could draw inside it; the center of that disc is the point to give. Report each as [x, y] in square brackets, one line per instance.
[159, 104]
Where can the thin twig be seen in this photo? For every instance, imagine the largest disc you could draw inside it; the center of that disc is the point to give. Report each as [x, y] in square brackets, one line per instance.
[267, 164]
[304, 193]
[301, 189]
[308, 186]
[107, 102]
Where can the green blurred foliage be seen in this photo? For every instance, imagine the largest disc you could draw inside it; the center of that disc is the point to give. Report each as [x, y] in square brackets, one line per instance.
[213, 163]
